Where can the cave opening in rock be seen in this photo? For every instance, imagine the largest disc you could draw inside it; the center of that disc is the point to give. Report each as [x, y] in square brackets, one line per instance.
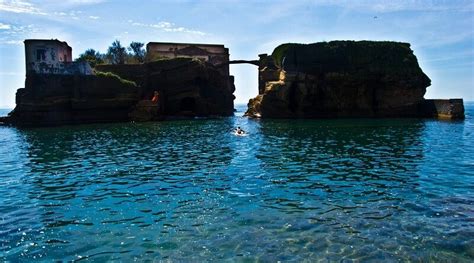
[188, 104]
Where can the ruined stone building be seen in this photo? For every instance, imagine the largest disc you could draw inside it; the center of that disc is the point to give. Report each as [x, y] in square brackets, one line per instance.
[51, 56]
[213, 53]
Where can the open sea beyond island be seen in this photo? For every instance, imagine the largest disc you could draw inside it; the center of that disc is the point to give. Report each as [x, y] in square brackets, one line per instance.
[190, 190]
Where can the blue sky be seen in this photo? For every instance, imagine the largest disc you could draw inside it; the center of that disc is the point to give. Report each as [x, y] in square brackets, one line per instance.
[441, 32]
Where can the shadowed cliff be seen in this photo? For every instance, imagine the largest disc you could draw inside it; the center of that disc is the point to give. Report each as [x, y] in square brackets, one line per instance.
[187, 88]
[341, 79]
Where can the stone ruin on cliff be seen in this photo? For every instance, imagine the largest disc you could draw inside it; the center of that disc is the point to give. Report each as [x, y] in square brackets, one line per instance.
[59, 91]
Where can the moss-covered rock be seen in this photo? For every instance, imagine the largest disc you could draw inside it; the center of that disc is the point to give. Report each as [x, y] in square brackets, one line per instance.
[346, 56]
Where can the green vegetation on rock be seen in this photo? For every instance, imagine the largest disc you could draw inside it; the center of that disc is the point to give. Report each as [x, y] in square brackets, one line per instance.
[116, 54]
[158, 58]
[138, 53]
[340, 79]
[91, 56]
[115, 76]
[175, 62]
[281, 51]
[344, 56]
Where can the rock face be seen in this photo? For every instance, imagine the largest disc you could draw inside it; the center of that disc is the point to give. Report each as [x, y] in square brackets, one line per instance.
[68, 99]
[187, 87]
[340, 79]
[122, 92]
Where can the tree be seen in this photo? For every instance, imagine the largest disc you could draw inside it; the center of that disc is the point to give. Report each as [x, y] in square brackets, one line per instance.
[91, 56]
[116, 53]
[138, 51]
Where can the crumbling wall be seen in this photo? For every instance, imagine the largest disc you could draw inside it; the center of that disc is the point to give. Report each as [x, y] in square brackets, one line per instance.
[46, 56]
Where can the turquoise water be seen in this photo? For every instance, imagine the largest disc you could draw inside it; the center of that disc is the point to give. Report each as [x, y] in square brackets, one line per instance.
[4, 112]
[191, 191]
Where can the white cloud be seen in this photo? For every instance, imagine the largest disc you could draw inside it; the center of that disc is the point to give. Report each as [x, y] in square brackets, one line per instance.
[15, 34]
[4, 26]
[15, 30]
[12, 42]
[94, 17]
[30, 6]
[74, 14]
[168, 27]
[71, 14]
[19, 6]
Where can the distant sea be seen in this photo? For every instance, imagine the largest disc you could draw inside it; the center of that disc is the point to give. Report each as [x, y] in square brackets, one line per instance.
[4, 112]
[290, 190]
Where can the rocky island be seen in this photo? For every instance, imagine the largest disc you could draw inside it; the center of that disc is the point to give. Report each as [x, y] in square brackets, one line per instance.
[191, 80]
[319, 80]
[346, 79]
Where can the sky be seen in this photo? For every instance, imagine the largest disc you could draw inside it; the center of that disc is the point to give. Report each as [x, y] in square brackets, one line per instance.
[441, 33]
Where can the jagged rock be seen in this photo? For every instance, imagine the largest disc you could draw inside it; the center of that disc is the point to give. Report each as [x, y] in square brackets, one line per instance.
[341, 79]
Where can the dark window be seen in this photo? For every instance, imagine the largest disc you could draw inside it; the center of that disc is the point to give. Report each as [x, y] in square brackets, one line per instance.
[40, 54]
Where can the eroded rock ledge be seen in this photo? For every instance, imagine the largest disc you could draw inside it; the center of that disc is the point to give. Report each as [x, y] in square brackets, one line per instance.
[122, 93]
[346, 79]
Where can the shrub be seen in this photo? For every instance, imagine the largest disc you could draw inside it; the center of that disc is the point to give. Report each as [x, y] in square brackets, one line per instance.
[115, 76]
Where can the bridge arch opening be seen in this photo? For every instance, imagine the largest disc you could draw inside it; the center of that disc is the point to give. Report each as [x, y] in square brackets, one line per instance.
[246, 85]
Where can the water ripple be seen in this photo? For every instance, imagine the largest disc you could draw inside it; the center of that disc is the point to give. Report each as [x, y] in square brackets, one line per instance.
[296, 190]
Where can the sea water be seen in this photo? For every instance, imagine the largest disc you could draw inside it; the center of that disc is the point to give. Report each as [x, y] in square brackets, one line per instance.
[190, 190]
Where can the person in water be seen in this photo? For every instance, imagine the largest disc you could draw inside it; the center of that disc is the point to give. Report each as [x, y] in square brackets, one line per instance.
[239, 130]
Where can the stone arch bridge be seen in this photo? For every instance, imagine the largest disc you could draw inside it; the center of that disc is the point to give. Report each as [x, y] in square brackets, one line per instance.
[253, 62]
[240, 61]
[261, 63]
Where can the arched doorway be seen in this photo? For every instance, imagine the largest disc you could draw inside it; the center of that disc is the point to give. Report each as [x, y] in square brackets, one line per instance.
[188, 104]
